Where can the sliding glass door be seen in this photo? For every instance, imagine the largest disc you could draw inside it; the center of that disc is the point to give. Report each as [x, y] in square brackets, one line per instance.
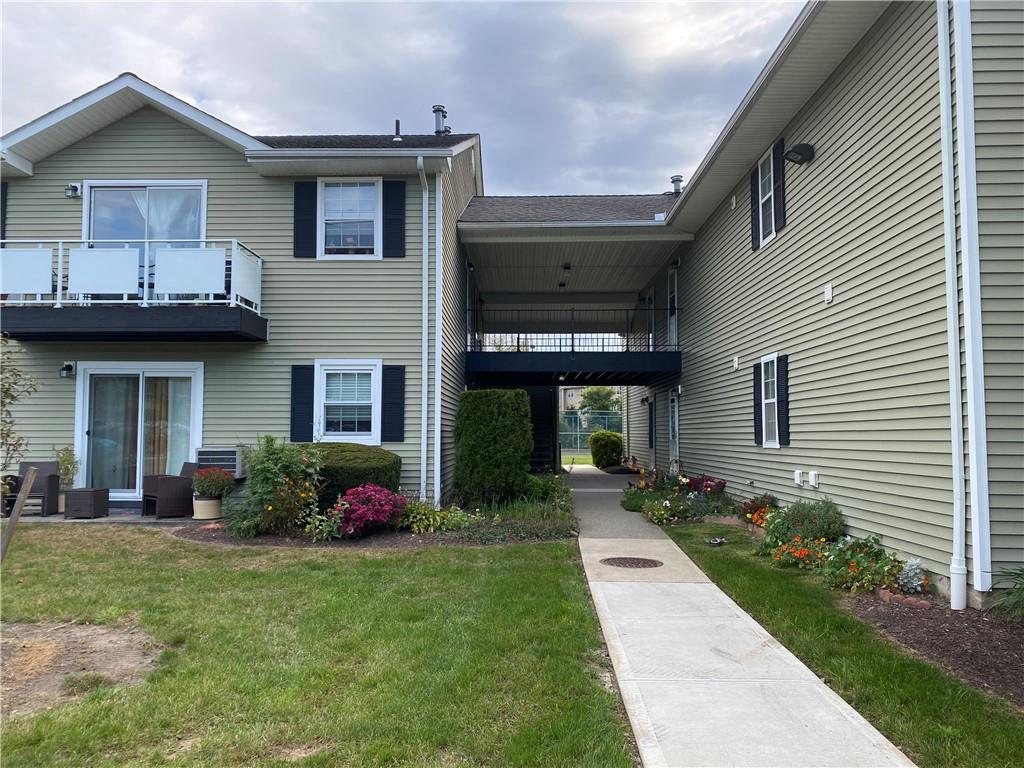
[138, 420]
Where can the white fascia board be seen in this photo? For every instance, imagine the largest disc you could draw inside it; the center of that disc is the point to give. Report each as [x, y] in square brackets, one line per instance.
[14, 164]
[290, 153]
[161, 99]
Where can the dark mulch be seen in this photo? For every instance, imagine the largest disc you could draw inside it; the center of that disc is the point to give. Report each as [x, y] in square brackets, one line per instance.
[483, 534]
[980, 647]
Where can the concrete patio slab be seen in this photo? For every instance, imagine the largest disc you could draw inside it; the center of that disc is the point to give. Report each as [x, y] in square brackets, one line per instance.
[702, 682]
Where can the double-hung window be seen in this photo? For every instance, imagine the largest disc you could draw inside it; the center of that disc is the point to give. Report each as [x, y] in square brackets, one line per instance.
[350, 219]
[769, 401]
[347, 401]
[766, 198]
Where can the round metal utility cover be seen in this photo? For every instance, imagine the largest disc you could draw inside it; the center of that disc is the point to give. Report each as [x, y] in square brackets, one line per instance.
[632, 562]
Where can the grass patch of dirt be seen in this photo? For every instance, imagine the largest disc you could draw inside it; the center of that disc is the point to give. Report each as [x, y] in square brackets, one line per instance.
[45, 665]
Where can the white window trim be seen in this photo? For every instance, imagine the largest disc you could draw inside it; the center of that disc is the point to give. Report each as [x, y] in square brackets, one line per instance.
[90, 184]
[85, 369]
[378, 224]
[672, 330]
[765, 443]
[762, 198]
[322, 366]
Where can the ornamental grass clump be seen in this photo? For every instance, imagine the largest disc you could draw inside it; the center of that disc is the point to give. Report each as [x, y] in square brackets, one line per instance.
[368, 508]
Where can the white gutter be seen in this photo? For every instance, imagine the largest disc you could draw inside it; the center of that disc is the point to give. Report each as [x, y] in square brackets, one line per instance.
[288, 153]
[438, 287]
[977, 445]
[958, 561]
[424, 327]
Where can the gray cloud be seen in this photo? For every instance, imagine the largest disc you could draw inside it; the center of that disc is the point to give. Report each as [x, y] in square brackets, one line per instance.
[569, 98]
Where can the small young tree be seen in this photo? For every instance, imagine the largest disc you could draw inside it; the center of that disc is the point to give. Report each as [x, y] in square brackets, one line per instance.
[15, 385]
[599, 399]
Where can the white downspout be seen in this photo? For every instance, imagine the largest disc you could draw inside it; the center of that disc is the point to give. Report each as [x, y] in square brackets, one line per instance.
[977, 434]
[424, 328]
[958, 562]
[438, 287]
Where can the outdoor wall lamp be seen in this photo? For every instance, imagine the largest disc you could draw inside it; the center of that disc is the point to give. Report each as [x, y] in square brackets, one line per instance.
[469, 266]
[645, 400]
[67, 370]
[71, 191]
[800, 154]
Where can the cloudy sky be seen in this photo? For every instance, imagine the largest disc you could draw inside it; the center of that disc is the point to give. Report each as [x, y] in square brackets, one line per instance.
[595, 98]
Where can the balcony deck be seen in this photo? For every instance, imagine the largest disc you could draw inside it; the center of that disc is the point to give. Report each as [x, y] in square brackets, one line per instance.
[566, 347]
[140, 291]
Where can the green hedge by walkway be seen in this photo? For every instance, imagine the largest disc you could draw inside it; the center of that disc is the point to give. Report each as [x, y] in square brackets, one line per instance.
[493, 443]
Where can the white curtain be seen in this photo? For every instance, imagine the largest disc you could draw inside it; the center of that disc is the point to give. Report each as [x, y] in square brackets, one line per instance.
[173, 213]
[179, 423]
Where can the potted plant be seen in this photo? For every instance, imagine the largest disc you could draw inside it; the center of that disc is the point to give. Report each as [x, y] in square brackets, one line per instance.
[211, 485]
[67, 468]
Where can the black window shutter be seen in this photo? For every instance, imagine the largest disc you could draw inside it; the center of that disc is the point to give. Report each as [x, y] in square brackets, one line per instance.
[394, 219]
[651, 421]
[392, 417]
[3, 209]
[782, 395]
[304, 232]
[779, 183]
[755, 215]
[302, 404]
[758, 434]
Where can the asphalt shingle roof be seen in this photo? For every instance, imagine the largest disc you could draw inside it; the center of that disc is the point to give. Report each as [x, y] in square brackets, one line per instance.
[383, 141]
[567, 208]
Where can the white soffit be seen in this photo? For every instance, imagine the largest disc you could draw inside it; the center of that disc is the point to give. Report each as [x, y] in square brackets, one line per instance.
[101, 107]
[822, 36]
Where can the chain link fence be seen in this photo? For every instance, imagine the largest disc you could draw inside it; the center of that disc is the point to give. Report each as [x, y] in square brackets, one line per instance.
[576, 427]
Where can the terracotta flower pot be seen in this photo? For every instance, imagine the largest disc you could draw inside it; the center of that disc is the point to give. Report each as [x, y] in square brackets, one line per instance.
[206, 508]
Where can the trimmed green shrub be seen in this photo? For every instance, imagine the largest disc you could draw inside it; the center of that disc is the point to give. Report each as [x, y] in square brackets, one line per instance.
[348, 465]
[493, 443]
[606, 448]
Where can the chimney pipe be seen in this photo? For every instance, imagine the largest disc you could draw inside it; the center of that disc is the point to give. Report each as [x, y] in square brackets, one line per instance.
[440, 113]
[677, 184]
[398, 130]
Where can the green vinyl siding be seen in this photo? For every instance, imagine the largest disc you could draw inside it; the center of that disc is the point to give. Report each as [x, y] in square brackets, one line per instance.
[457, 189]
[317, 309]
[997, 37]
[868, 380]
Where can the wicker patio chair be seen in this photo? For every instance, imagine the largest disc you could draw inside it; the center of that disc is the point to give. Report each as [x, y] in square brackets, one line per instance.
[46, 487]
[169, 495]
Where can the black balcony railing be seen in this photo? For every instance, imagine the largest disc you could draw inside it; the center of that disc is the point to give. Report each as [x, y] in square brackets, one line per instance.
[643, 329]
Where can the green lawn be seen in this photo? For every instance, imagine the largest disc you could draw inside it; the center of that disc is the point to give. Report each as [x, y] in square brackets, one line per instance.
[449, 656]
[934, 718]
[577, 458]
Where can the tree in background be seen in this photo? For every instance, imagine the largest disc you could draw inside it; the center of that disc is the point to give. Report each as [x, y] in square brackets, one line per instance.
[599, 399]
[15, 385]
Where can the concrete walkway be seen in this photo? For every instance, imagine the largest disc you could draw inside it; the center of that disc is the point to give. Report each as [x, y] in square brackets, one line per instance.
[703, 683]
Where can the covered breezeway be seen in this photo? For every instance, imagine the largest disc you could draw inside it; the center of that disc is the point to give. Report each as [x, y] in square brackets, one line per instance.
[555, 296]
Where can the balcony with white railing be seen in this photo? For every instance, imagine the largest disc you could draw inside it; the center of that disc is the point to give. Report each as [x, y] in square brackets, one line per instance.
[99, 289]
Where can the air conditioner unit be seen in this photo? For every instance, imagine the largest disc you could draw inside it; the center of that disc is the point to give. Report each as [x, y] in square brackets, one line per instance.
[226, 457]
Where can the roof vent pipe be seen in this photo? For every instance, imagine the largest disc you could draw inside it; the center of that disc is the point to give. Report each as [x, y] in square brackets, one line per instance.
[677, 184]
[398, 131]
[440, 114]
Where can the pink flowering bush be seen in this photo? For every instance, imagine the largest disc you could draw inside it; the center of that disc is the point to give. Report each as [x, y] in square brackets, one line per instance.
[367, 507]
